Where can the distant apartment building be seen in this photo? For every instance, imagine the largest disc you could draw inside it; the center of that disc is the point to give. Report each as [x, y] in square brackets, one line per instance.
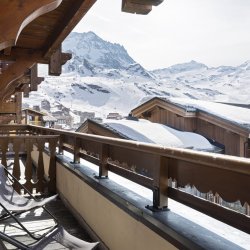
[115, 116]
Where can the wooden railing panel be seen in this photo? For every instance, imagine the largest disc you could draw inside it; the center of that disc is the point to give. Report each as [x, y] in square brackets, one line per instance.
[12, 146]
[230, 185]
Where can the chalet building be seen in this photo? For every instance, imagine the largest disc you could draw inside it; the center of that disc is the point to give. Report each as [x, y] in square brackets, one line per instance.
[33, 117]
[11, 109]
[146, 131]
[141, 206]
[96, 128]
[222, 129]
[116, 116]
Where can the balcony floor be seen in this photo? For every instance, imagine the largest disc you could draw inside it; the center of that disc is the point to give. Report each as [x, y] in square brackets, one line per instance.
[38, 220]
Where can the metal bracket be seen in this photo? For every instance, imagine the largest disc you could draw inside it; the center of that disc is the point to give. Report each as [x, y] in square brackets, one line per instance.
[101, 177]
[157, 209]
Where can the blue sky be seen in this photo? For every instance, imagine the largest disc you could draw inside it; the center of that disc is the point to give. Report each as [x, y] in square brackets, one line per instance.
[214, 32]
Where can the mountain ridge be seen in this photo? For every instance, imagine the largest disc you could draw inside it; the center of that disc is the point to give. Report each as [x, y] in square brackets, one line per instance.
[101, 77]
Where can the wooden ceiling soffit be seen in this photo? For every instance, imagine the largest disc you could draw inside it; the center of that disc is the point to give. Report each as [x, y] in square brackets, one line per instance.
[16, 14]
[69, 21]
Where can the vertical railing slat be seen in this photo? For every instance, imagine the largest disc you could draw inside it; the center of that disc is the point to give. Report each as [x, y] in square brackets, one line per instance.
[16, 168]
[40, 166]
[28, 165]
[4, 148]
[52, 165]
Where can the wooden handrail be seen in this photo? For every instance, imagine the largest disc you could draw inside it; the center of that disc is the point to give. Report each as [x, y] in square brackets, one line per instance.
[152, 166]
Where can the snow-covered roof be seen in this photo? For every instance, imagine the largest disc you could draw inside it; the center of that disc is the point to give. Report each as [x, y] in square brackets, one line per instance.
[237, 115]
[146, 131]
[48, 118]
[233, 114]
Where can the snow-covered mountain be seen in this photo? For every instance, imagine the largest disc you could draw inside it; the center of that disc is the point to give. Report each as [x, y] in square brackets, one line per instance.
[92, 55]
[101, 77]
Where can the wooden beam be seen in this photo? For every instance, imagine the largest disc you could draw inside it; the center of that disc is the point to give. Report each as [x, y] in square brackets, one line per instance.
[69, 21]
[135, 8]
[7, 51]
[15, 87]
[55, 66]
[146, 2]
[22, 52]
[16, 14]
[15, 71]
[34, 79]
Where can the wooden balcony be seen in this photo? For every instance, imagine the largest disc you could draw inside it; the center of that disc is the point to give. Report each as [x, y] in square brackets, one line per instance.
[54, 160]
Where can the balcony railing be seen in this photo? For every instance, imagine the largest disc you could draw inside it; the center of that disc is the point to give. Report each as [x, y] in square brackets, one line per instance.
[157, 168]
[19, 147]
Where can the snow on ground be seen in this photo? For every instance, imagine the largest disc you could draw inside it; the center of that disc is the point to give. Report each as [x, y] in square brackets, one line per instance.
[146, 131]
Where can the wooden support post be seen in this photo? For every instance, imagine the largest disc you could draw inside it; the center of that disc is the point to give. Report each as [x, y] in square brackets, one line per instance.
[60, 146]
[18, 98]
[55, 64]
[247, 209]
[160, 199]
[77, 147]
[103, 157]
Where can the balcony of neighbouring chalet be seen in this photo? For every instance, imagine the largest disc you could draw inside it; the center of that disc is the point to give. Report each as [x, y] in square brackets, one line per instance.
[131, 195]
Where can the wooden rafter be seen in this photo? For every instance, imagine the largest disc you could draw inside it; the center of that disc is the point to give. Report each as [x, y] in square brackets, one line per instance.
[21, 52]
[18, 14]
[16, 70]
[26, 83]
[74, 15]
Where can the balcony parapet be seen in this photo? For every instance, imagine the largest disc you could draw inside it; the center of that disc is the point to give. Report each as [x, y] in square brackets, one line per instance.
[164, 170]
